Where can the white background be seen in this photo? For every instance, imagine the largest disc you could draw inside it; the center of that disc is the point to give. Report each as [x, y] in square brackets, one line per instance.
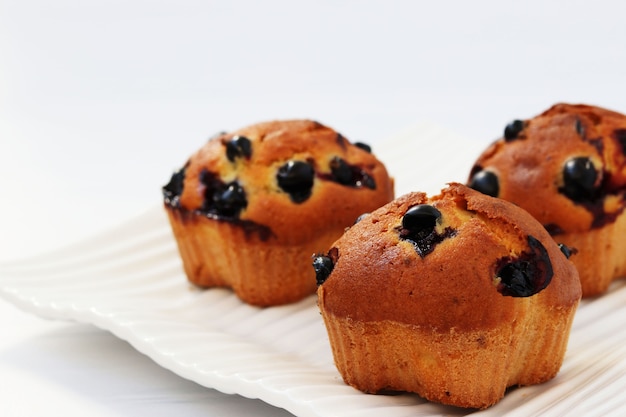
[101, 100]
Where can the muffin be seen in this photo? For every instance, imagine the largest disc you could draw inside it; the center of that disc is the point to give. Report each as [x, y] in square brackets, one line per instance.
[454, 297]
[567, 168]
[250, 207]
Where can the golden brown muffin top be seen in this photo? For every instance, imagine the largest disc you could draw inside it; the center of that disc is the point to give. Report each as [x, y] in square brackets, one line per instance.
[459, 260]
[566, 166]
[293, 178]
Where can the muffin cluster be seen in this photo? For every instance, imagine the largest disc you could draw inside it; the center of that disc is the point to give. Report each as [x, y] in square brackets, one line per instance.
[455, 297]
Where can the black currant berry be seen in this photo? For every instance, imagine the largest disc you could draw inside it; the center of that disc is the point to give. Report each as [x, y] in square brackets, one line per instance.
[238, 146]
[486, 182]
[341, 171]
[566, 250]
[323, 266]
[421, 220]
[513, 129]
[230, 200]
[526, 274]
[296, 179]
[361, 217]
[367, 148]
[418, 227]
[579, 178]
[349, 175]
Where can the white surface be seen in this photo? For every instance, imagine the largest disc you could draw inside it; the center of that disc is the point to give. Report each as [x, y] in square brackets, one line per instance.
[101, 100]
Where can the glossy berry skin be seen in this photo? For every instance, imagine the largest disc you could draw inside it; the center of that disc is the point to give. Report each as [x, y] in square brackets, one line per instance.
[513, 129]
[349, 175]
[230, 200]
[361, 217]
[566, 250]
[517, 279]
[296, 179]
[579, 178]
[486, 182]
[341, 171]
[323, 266]
[421, 220]
[526, 274]
[418, 227]
[238, 146]
[221, 199]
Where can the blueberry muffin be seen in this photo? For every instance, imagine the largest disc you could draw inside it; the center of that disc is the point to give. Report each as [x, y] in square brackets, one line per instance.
[454, 297]
[250, 207]
[567, 167]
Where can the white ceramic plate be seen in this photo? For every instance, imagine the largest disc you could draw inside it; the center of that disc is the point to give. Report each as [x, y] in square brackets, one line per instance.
[129, 281]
